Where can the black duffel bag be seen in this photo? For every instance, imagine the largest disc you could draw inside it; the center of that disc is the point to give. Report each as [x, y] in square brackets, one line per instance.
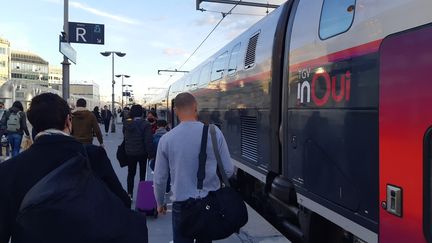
[222, 212]
[121, 155]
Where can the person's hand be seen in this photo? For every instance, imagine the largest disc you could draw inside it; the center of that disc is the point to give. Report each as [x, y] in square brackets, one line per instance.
[162, 209]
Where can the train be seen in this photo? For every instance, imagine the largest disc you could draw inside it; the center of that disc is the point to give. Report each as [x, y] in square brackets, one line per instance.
[325, 106]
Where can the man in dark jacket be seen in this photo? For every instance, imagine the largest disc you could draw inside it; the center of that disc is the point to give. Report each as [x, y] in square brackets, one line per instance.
[138, 144]
[106, 118]
[85, 124]
[50, 116]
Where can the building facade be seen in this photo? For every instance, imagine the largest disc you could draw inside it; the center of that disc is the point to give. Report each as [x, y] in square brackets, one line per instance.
[55, 75]
[88, 90]
[5, 59]
[29, 68]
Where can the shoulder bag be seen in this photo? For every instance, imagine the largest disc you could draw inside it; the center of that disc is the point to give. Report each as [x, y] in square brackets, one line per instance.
[222, 212]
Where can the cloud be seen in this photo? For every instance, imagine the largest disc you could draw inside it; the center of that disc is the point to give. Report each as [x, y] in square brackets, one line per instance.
[207, 20]
[174, 51]
[101, 13]
[84, 7]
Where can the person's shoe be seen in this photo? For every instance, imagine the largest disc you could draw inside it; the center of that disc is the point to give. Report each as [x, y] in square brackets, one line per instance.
[106, 134]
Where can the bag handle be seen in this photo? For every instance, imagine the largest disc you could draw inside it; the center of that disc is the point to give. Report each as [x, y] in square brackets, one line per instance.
[202, 158]
[218, 156]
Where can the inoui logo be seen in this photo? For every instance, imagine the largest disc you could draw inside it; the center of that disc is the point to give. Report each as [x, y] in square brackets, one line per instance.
[306, 90]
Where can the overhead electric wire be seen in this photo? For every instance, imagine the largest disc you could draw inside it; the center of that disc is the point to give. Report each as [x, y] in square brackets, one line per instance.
[211, 32]
[224, 13]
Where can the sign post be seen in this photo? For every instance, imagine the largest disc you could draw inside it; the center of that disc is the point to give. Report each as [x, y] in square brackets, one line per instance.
[86, 33]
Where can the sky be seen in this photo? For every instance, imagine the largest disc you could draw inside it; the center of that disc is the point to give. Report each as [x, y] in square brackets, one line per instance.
[153, 34]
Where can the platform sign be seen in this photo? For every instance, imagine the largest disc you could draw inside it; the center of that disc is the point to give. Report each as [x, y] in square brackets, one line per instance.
[67, 50]
[86, 33]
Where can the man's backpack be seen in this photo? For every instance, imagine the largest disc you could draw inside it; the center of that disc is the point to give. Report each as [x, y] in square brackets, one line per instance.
[13, 123]
[71, 205]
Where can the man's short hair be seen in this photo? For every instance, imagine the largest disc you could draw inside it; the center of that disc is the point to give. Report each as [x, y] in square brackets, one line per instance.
[81, 102]
[48, 111]
[136, 111]
[161, 123]
[184, 100]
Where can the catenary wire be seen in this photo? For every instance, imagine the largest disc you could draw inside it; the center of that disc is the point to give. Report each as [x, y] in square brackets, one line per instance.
[211, 32]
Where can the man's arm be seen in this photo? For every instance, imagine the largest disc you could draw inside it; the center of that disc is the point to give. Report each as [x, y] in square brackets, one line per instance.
[161, 173]
[96, 129]
[225, 154]
[101, 166]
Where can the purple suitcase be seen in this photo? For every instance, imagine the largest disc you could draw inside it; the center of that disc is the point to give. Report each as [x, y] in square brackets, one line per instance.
[146, 201]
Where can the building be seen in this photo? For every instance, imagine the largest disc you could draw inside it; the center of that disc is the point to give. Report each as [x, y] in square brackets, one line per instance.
[55, 77]
[88, 90]
[5, 59]
[29, 68]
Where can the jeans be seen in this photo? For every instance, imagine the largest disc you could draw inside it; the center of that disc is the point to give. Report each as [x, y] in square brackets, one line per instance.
[132, 167]
[15, 140]
[106, 123]
[178, 238]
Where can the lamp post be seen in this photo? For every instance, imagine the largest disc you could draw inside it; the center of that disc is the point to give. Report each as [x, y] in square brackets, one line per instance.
[107, 54]
[122, 76]
[127, 94]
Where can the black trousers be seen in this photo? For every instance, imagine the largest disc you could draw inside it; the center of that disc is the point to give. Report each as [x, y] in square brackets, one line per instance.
[106, 123]
[132, 168]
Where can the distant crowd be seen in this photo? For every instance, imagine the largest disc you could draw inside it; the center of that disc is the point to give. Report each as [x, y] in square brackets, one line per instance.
[62, 188]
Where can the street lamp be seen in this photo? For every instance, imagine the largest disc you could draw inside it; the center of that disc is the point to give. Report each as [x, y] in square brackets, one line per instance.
[107, 54]
[122, 76]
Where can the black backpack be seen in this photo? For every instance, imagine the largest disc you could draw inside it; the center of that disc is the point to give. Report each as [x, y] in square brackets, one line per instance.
[71, 205]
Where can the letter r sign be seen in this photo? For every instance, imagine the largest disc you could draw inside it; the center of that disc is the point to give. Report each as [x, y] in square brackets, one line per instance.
[80, 33]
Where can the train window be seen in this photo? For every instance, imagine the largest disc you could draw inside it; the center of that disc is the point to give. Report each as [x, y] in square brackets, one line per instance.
[205, 75]
[232, 66]
[251, 51]
[336, 17]
[219, 66]
[193, 81]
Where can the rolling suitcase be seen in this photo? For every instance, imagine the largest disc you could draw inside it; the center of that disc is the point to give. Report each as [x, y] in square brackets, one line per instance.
[146, 201]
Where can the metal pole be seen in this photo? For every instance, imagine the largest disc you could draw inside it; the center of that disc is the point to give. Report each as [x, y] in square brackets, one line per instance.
[122, 93]
[113, 129]
[66, 63]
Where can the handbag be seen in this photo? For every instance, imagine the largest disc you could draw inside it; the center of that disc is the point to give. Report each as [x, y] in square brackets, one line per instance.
[121, 155]
[222, 212]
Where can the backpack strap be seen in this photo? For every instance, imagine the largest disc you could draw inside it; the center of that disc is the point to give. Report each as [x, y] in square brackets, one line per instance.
[218, 156]
[202, 158]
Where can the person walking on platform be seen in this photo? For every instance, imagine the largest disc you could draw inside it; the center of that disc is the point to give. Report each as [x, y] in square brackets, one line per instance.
[152, 119]
[85, 124]
[125, 114]
[43, 197]
[3, 131]
[16, 125]
[138, 145]
[97, 114]
[178, 156]
[106, 118]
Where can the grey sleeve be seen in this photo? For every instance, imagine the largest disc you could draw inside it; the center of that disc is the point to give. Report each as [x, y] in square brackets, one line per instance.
[225, 154]
[161, 172]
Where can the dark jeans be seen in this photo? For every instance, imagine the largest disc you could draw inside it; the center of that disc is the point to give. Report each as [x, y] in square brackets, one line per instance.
[178, 238]
[106, 123]
[15, 140]
[132, 167]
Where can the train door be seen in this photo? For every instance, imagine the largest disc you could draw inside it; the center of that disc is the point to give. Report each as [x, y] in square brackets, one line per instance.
[405, 122]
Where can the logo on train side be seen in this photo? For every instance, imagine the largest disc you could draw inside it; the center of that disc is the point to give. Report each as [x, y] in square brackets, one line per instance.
[307, 87]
